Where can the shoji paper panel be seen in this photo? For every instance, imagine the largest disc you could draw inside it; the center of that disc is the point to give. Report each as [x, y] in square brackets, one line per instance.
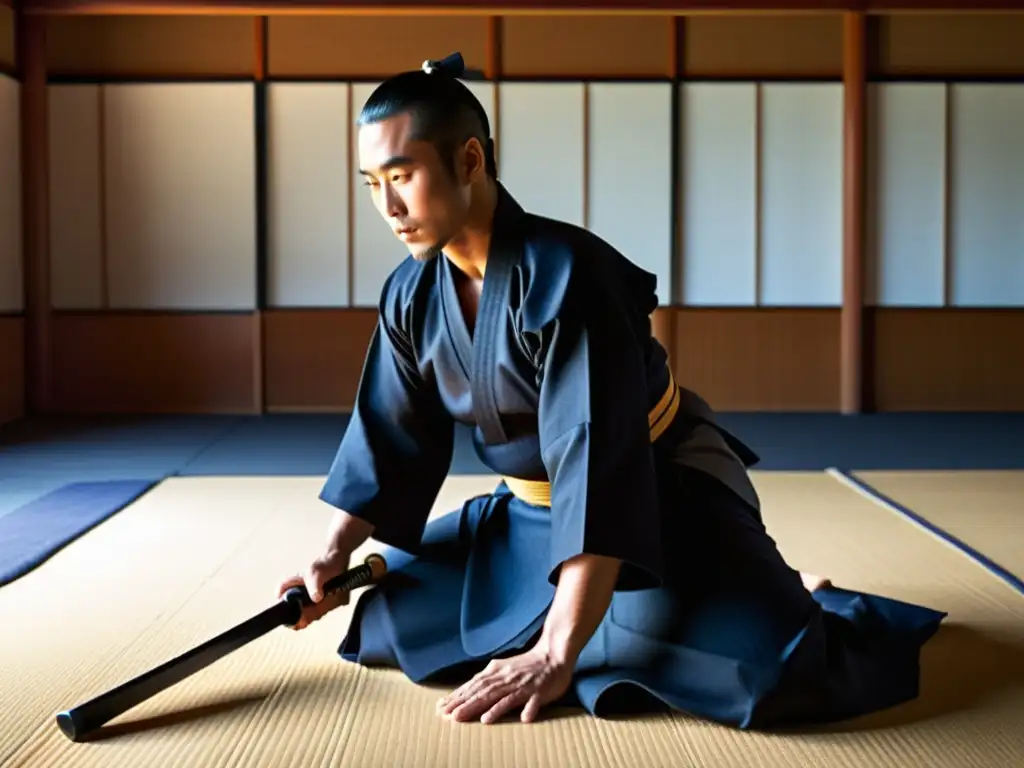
[987, 195]
[801, 194]
[11, 283]
[629, 181]
[76, 197]
[308, 194]
[541, 149]
[375, 249]
[907, 178]
[180, 211]
[718, 155]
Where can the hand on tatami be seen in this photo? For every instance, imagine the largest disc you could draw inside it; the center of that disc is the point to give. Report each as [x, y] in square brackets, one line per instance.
[319, 572]
[528, 682]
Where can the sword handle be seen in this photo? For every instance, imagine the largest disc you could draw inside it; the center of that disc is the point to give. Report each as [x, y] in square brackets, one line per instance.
[372, 569]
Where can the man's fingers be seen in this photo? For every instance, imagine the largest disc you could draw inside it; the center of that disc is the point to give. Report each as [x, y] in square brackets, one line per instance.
[483, 700]
[532, 708]
[314, 584]
[466, 691]
[504, 706]
[460, 696]
[284, 586]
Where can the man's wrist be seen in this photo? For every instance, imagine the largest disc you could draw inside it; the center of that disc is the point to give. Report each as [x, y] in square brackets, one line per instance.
[347, 532]
[561, 645]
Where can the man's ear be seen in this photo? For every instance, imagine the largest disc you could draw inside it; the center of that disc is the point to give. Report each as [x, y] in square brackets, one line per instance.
[473, 161]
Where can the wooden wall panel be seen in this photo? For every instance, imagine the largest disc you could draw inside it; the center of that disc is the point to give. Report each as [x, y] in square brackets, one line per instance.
[370, 46]
[740, 359]
[586, 46]
[751, 359]
[763, 46]
[12, 368]
[960, 44]
[155, 362]
[8, 49]
[313, 358]
[172, 46]
[948, 360]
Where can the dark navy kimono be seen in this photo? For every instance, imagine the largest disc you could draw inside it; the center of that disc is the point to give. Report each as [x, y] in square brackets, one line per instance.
[567, 392]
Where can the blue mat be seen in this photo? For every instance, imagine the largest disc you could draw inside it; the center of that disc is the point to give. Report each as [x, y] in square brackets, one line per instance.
[279, 445]
[33, 533]
[39, 455]
[808, 442]
[884, 441]
[297, 445]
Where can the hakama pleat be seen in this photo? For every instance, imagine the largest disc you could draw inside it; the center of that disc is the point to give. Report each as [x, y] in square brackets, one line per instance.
[732, 636]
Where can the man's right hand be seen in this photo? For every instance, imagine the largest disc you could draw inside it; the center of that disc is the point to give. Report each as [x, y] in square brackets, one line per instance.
[319, 572]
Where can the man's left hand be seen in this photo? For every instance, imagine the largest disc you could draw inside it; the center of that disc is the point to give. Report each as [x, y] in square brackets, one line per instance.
[529, 680]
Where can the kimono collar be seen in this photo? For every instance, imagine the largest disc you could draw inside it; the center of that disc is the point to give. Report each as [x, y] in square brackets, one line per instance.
[506, 232]
[504, 255]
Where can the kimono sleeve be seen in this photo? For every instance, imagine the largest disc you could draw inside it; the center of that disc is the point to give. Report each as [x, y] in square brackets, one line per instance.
[595, 439]
[397, 448]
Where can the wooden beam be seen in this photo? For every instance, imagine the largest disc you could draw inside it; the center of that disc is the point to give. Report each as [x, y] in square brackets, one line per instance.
[261, 33]
[851, 368]
[31, 33]
[502, 7]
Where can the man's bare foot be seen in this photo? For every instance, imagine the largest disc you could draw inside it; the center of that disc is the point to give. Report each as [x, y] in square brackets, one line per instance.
[813, 582]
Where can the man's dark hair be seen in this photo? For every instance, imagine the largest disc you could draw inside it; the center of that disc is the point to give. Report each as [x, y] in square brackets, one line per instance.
[444, 111]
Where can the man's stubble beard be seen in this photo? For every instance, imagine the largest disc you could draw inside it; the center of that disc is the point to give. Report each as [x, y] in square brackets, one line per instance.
[429, 253]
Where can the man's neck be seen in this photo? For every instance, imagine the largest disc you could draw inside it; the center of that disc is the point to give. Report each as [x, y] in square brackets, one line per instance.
[468, 250]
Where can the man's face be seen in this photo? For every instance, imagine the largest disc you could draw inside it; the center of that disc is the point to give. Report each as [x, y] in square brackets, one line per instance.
[414, 192]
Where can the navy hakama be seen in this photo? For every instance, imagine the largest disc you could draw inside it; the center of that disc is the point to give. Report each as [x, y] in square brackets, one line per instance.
[571, 400]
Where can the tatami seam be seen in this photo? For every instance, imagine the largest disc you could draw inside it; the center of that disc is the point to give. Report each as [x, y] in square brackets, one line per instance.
[935, 531]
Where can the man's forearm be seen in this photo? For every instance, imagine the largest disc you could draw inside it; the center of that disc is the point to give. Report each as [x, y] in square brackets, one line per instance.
[586, 584]
[347, 532]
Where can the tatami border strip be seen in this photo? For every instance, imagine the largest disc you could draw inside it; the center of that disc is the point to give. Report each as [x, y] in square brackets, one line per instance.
[873, 494]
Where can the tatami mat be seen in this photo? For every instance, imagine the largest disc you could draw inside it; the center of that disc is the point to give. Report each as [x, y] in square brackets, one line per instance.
[197, 555]
[984, 510]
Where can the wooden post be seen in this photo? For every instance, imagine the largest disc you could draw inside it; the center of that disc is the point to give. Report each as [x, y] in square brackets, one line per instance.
[663, 320]
[260, 32]
[35, 214]
[852, 314]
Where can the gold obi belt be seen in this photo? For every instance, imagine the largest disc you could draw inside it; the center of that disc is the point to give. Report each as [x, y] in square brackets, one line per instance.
[538, 492]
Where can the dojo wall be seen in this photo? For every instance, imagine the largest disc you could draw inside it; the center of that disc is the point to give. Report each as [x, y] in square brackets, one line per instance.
[12, 332]
[189, 274]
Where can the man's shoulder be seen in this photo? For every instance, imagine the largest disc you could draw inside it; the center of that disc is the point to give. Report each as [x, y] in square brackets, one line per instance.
[561, 259]
[573, 248]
